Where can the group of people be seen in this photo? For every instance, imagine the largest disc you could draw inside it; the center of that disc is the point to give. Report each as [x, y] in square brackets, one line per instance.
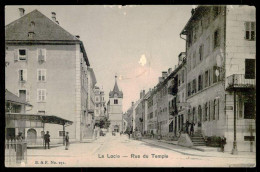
[189, 127]
[47, 140]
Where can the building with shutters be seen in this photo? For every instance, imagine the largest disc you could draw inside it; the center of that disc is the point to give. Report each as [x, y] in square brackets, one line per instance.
[49, 68]
[220, 49]
[114, 108]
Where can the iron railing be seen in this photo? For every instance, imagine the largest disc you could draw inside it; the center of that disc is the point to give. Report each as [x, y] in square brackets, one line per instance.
[239, 81]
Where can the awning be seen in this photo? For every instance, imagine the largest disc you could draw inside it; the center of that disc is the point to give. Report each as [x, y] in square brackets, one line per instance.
[39, 118]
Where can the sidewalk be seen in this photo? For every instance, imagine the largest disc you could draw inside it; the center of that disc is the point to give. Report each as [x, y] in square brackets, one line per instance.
[195, 151]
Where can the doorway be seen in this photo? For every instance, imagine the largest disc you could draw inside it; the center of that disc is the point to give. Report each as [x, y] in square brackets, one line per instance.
[31, 136]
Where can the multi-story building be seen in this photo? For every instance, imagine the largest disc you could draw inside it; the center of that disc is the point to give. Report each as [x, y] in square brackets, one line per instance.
[114, 108]
[220, 48]
[49, 67]
[128, 119]
[99, 102]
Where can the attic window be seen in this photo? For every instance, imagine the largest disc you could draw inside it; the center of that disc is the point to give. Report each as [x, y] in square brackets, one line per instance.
[32, 24]
[30, 35]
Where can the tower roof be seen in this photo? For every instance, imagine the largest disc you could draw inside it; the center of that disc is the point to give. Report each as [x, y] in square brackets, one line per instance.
[116, 91]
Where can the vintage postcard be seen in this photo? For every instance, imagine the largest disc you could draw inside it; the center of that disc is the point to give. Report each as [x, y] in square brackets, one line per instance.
[130, 86]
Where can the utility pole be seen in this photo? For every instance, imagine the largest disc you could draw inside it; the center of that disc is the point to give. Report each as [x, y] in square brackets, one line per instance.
[234, 150]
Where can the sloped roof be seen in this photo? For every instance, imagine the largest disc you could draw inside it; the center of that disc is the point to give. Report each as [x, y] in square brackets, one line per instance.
[116, 91]
[10, 97]
[44, 29]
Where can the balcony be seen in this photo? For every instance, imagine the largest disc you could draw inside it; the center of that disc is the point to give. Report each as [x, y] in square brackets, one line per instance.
[238, 81]
[173, 90]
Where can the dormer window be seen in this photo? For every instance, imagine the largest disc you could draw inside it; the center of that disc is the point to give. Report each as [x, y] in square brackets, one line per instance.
[30, 35]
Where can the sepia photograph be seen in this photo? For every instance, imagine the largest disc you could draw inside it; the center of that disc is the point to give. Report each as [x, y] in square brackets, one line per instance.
[130, 86]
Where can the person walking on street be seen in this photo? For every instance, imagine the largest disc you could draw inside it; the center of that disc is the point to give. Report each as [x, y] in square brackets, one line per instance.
[47, 139]
[222, 143]
[67, 141]
[192, 128]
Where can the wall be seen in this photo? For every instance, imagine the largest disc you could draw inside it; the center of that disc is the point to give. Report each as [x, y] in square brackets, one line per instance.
[60, 66]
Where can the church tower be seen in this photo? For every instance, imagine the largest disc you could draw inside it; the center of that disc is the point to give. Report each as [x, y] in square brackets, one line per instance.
[114, 108]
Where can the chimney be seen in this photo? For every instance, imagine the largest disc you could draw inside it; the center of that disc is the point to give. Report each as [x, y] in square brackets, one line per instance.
[169, 71]
[192, 11]
[143, 93]
[132, 103]
[77, 36]
[160, 79]
[57, 22]
[53, 16]
[21, 10]
[175, 66]
[164, 74]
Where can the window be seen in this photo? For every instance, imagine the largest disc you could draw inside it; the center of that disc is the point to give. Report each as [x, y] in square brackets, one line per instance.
[171, 127]
[250, 31]
[215, 71]
[96, 105]
[61, 133]
[194, 86]
[216, 109]
[200, 80]
[249, 107]
[207, 51]
[199, 114]
[194, 59]
[201, 52]
[22, 54]
[206, 112]
[194, 119]
[41, 74]
[189, 89]
[41, 95]
[216, 39]
[206, 79]
[216, 11]
[115, 101]
[41, 55]
[249, 68]
[22, 75]
[96, 99]
[209, 111]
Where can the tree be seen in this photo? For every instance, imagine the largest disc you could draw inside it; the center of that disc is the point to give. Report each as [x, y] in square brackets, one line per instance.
[103, 123]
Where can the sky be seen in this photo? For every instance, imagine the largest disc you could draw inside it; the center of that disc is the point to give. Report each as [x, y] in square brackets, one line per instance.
[134, 42]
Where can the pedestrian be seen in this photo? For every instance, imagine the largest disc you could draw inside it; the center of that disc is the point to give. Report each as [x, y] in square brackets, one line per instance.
[152, 133]
[192, 128]
[47, 139]
[222, 143]
[67, 141]
[187, 126]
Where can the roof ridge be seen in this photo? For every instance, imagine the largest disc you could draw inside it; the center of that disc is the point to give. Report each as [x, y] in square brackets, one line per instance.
[21, 17]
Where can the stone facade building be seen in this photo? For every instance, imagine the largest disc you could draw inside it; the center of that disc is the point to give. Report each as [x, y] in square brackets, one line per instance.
[220, 48]
[50, 68]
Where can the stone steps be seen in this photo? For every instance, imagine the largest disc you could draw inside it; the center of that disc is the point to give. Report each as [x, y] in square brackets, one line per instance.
[198, 140]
